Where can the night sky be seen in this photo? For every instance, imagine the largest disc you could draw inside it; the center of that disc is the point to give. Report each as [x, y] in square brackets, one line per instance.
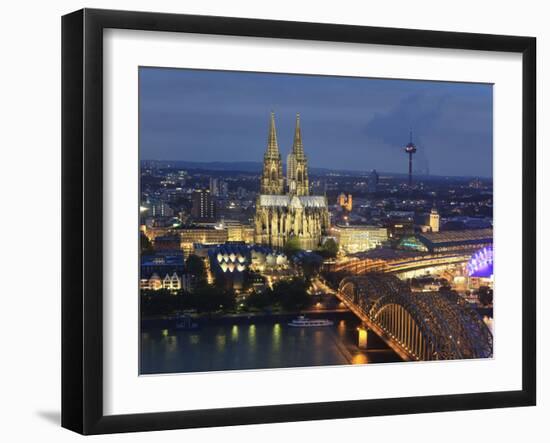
[347, 123]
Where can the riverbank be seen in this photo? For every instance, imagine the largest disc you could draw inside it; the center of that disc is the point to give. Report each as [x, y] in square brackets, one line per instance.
[248, 317]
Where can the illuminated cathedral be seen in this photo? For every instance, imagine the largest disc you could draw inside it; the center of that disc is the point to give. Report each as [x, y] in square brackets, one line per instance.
[284, 208]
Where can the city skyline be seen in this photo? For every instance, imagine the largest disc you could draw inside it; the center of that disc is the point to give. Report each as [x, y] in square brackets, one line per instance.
[348, 123]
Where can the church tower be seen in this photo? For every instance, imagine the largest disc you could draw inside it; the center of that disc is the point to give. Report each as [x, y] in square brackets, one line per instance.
[272, 177]
[434, 220]
[297, 175]
[290, 170]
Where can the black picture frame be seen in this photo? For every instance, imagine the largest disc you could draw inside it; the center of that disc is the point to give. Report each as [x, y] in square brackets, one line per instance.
[82, 190]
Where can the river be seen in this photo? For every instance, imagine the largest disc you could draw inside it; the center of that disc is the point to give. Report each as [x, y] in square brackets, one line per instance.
[256, 343]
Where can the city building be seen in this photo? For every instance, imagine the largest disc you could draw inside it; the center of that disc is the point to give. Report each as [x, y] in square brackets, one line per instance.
[399, 223]
[448, 241]
[357, 238]
[429, 222]
[240, 257]
[223, 189]
[318, 186]
[162, 270]
[156, 209]
[201, 235]
[463, 222]
[228, 263]
[238, 231]
[203, 205]
[404, 262]
[213, 186]
[434, 220]
[283, 215]
[476, 183]
[152, 232]
[345, 201]
[218, 187]
[372, 182]
[162, 263]
[155, 282]
[167, 243]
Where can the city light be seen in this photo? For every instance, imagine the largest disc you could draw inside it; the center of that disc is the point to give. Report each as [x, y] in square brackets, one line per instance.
[383, 268]
[481, 263]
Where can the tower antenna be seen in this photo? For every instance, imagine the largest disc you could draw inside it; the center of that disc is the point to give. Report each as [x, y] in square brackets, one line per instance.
[410, 149]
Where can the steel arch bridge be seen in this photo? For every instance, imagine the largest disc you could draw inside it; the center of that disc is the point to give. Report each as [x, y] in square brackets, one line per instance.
[416, 325]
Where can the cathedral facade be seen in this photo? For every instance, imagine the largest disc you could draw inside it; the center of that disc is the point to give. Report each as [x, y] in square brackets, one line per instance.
[284, 208]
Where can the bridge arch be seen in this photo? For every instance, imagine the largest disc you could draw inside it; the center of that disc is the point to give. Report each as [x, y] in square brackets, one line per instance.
[424, 325]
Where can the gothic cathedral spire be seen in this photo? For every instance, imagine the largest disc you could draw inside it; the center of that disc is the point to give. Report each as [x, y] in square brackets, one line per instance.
[299, 183]
[272, 176]
[272, 145]
[297, 146]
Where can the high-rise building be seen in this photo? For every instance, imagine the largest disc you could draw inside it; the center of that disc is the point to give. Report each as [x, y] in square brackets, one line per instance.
[372, 182]
[296, 214]
[214, 186]
[223, 189]
[476, 183]
[203, 205]
[218, 187]
[156, 208]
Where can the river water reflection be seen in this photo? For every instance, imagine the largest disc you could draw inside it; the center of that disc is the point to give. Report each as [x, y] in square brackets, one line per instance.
[256, 344]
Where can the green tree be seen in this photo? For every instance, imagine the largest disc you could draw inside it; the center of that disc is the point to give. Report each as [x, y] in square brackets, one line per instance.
[212, 299]
[291, 295]
[163, 302]
[145, 245]
[260, 300]
[311, 267]
[194, 266]
[329, 249]
[292, 246]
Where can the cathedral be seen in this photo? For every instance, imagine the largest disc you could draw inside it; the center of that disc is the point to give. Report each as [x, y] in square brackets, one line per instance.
[284, 208]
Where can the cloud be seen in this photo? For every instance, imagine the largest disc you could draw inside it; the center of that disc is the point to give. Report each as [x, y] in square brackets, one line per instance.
[353, 123]
[449, 130]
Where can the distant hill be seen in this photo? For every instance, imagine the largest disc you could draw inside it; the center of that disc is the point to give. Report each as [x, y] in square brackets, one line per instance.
[235, 166]
[256, 167]
[219, 166]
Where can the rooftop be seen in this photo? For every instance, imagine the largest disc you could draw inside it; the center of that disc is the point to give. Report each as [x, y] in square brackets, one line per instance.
[306, 201]
[457, 236]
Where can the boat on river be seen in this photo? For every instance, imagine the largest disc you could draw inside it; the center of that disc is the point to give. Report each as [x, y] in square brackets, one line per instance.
[303, 322]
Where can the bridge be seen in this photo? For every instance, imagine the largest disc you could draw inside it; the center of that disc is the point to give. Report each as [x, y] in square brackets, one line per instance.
[396, 262]
[416, 325]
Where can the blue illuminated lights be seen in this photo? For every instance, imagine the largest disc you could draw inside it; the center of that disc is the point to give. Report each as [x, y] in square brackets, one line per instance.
[481, 263]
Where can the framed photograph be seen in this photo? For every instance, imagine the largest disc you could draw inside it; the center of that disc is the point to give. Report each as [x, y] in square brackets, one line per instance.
[269, 221]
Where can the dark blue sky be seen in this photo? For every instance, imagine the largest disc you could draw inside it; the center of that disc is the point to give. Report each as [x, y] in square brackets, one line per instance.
[347, 123]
